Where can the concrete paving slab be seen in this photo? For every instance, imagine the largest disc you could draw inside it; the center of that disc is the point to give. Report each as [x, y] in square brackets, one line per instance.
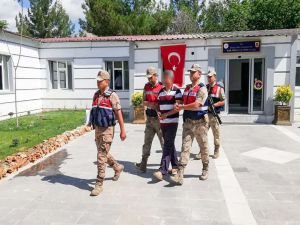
[56, 191]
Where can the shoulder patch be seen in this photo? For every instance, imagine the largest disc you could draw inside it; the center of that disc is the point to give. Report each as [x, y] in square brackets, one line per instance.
[108, 92]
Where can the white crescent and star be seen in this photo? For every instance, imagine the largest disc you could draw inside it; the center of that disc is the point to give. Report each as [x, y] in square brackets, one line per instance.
[177, 56]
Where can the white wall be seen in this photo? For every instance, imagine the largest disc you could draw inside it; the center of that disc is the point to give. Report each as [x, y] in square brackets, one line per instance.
[148, 54]
[30, 76]
[87, 58]
[34, 94]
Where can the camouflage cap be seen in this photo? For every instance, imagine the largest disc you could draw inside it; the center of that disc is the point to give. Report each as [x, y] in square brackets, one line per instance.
[103, 75]
[211, 73]
[195, 67]
[150, 71]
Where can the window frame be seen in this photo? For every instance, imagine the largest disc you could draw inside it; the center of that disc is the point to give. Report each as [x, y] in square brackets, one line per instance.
[297, 66]
[6, 73]
[67, 63]
[113, 61]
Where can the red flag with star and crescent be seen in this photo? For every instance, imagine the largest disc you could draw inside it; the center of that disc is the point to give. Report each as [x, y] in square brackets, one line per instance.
[173, 57]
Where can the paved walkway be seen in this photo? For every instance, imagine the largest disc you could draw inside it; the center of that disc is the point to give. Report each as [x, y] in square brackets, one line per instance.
[255, 181]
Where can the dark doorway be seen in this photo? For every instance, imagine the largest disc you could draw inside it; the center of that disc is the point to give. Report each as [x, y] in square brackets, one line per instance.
[239, 78]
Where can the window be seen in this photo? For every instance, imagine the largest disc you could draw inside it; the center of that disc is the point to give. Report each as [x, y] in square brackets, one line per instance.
[297, 83]
[119, 74]
[4, 72]
[61, 74]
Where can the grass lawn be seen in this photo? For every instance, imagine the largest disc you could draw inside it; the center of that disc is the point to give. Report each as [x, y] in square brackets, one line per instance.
[33, 129]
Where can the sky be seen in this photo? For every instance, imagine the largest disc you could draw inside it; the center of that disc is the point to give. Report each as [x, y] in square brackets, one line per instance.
[10, 8]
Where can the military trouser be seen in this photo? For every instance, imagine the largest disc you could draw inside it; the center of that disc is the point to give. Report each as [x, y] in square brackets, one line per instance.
[152, 128]
[103, 138]
[195, 129]
[215, 127]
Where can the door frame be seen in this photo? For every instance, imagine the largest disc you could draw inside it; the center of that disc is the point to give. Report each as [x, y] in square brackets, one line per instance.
[251, 82]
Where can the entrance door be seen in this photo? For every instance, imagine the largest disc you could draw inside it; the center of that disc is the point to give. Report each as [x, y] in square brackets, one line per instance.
[238, 87]
[245, 86]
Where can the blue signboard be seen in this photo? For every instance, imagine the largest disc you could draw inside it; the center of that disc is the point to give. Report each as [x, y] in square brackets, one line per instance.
[241, 46]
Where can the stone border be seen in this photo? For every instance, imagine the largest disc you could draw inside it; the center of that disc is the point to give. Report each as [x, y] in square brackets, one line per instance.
[13, 163]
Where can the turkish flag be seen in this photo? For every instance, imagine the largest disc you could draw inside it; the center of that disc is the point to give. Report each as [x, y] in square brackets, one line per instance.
[173, 57]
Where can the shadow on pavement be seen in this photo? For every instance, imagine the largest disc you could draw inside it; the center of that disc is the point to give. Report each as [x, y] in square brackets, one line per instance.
[129, 167]
[83, 184]
[49, 170]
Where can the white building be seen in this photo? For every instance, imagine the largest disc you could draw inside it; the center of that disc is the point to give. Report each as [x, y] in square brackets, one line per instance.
[60, 72]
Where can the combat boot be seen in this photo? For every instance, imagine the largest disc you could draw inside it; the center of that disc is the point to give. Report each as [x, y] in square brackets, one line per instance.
[142, 166]
[118, 171]
[158, 175]
[178, 178]
[97, 189]
[204, 175]
[216, 153]
[198, 156]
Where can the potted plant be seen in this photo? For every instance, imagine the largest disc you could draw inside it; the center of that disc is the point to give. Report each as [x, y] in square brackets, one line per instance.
[139, 111]
[283, 96]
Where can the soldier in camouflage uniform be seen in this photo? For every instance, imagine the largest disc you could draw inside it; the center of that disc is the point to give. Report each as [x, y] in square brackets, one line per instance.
[151, 91]
[217, 93]
[106, 109]
[195, 124]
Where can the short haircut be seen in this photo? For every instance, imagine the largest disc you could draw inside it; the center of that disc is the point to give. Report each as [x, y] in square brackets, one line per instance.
[169, 73]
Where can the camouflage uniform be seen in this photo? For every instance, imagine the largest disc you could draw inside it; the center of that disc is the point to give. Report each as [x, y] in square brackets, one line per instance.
[103, 139]
[152, 123]
[196, 129]
[152, 128]
[213, 122]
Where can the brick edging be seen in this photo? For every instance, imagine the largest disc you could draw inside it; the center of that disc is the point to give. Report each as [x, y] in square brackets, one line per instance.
[14, 162]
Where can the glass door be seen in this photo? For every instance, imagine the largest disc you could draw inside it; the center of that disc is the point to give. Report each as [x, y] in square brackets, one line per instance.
[257, 86]
[220, 67]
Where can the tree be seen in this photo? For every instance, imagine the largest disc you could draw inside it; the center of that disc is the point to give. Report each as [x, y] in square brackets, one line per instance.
[3, 24]
[125, 17]
[212, 17]
[183, 23]
[272, 14]
[189, 6]
[186, 16]
[235, 15]
[45, 19]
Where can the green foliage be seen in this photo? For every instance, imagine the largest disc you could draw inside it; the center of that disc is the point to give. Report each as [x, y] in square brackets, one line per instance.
[131, 17]
[44, 19]
[137, 99]
[236, 15]
[212, 17]
[272, 14]
[283, 94]
[36, 128]
[125, 17]
[3, 24]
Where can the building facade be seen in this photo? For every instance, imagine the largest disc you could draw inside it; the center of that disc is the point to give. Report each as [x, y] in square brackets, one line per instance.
[59, 73]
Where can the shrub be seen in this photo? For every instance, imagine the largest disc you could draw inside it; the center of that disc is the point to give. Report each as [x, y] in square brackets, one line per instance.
[283, 94]
[137, 99]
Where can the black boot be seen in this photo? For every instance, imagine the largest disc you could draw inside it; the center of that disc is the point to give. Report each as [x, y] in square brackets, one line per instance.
[142, 166]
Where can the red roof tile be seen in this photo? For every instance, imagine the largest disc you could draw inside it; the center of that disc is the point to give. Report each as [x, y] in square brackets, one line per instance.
[177, 37]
